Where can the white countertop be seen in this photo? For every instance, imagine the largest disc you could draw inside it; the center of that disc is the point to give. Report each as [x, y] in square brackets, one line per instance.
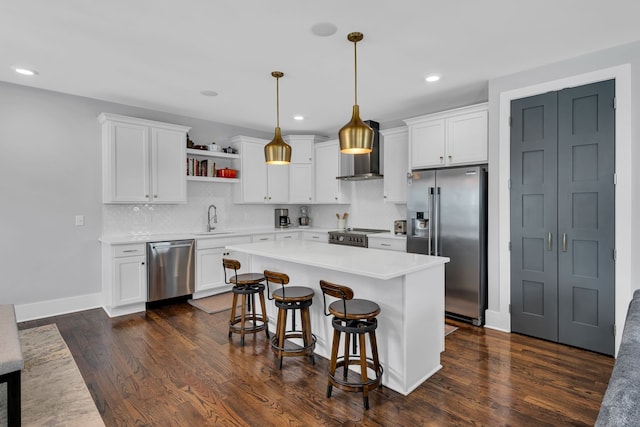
[216, 234]
[375, 263]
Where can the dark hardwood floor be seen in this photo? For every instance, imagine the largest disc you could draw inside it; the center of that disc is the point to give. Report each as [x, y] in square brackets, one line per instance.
[175, 365]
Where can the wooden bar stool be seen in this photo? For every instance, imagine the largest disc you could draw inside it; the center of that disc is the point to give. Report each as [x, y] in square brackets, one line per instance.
[246, 285]
[291, 299]
[353, 317]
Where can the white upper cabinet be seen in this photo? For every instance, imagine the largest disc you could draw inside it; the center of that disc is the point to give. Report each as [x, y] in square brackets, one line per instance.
[143, 161]
[302, 147]
[301, 169]
[330, 163]
[396, 164]
[259, 182]
[301, 183]
[449, 138]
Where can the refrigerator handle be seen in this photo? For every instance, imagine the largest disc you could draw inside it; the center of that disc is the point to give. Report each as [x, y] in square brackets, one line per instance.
[436, 223]
[430, 216]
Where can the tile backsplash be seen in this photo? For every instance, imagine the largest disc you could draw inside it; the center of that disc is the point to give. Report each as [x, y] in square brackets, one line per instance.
[367, 210]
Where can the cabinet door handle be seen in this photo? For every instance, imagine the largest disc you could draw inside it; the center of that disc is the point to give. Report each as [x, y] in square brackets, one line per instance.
[142, 263]
[315, 237]
[564, 242]
[549, 241]
[130, 250]
[146, 195]
[155, 196]
[286, 237]
[450, 157]
[441, 159]
[385, 244]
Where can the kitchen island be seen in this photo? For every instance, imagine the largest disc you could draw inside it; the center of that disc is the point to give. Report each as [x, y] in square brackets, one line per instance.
[409, 288]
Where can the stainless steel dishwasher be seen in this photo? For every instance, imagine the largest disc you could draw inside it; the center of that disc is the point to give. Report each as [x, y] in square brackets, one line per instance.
[171, 269]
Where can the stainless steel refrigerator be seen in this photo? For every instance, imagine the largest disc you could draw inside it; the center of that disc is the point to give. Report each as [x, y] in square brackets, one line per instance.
[447, 216]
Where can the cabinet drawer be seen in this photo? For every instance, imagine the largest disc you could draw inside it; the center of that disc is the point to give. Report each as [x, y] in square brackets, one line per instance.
[262, 237]
[135, 249]
[315, 237]
[221, 242]
[388, 244]
[287, 236]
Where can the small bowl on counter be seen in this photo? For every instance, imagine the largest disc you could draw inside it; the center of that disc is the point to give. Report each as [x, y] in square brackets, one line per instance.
[226, 173]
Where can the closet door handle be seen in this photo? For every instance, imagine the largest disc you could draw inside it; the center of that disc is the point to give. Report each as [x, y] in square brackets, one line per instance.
[564, 242]
[549, 241]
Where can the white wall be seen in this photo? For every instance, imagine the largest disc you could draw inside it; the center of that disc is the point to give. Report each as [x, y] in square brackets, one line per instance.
[50, 171]
[620, 63]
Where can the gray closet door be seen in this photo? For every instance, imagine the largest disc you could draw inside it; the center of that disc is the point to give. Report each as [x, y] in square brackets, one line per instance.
[534, 274]
[586, 266]
[563, 216]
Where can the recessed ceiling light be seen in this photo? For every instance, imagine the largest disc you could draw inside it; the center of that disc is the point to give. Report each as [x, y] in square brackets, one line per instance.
[25, 71]
[208, 93]
[298, 117]
[324, 29]
[432, 78]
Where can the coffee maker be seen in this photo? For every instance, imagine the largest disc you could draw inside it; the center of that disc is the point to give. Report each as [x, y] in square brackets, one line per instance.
[304, 219]
[282, 218]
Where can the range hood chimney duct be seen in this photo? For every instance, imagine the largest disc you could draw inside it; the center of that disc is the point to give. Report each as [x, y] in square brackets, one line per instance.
[367, 166]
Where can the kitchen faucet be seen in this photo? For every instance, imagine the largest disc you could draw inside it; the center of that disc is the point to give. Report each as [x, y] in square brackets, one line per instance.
[215, 217]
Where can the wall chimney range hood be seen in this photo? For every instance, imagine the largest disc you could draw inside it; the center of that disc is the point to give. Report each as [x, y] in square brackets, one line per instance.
[367, 166]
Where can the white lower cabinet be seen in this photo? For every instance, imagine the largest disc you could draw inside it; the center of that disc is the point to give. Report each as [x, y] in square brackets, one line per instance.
[209, 254]
[263, 237]
[388, 243]
[294, 235]
[209, 274]
[124, 278]
[316, 236]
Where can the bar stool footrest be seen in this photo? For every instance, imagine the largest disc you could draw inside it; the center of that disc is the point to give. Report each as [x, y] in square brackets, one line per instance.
[341, 383]
[258, 325]
[297, 350]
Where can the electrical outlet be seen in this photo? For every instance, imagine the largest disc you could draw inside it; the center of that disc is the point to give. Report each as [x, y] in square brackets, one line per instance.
[79, 220]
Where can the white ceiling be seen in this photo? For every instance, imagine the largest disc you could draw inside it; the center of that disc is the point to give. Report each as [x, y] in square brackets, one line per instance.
[160, 54]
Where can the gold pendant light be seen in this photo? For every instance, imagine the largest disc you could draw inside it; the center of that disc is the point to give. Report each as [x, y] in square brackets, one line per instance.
[355, 137]
[277, 152]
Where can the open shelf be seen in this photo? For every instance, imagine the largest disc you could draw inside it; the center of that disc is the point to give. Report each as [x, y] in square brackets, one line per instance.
[206, 153]
[212, 179]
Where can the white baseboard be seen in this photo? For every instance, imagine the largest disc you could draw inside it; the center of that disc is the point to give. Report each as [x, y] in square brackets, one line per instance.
[56, 307]
[127, 309]
[497, 320]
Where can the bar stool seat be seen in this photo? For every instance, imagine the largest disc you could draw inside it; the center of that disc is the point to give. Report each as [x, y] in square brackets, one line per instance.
[354, 317]
[291, 298]
[247, 285]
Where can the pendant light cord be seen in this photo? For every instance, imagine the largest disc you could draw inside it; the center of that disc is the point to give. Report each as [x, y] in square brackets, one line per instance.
[355, 69]
[278, 101]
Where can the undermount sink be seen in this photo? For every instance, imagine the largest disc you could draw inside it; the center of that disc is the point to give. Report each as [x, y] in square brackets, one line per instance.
[211, 233]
